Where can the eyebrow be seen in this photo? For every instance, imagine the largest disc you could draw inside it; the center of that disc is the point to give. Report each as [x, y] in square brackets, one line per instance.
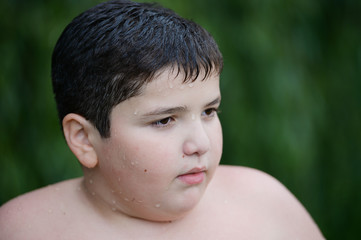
[214, 102]
[173, 110]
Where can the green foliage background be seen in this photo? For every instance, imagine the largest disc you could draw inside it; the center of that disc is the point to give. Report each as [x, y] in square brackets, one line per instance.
[291, 96]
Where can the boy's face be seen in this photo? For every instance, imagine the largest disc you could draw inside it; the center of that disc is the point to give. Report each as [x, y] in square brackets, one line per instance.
[164, 147]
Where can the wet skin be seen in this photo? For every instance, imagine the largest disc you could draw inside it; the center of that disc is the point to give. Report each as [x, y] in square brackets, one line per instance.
[164, 147]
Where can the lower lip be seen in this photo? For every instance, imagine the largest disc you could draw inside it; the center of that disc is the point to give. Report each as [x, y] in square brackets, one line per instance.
[192, 178]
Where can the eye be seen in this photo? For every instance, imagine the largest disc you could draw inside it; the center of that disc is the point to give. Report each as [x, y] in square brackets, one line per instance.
[163, 122]
[210, 112]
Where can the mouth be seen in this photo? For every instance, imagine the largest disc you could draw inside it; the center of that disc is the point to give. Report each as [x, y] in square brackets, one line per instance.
[193, 176]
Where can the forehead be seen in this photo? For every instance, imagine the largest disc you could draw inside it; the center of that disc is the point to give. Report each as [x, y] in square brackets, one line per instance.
[170, 79]
[168, 90]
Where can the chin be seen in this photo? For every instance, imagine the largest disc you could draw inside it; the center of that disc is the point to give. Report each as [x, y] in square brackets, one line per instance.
[169, 213]
[167, 217]
[182, 208]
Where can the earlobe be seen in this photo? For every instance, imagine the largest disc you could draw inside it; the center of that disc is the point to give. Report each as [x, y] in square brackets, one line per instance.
[77, 131]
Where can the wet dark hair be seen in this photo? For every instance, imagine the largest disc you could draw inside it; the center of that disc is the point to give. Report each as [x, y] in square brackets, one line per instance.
[108, 53]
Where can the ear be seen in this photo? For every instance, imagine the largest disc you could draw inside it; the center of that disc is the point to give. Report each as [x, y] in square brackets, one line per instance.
[77, 131]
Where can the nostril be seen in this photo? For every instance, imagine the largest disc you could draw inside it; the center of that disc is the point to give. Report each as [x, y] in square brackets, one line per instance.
[195, 148]
[196, 141]
[189, 148]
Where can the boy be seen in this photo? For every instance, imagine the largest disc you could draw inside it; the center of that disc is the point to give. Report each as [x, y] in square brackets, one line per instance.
[137, 91]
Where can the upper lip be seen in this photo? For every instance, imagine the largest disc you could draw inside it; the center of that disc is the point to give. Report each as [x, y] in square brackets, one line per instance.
[194, 170]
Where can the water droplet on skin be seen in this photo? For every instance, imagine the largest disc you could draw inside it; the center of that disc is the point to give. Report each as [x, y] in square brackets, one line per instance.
[190, 85]
[132, 163]
[135, 112]
[119, 179]
[91, 181]
[112, 191]
[170, 84]
[157, 205]
[114, 202]
[93, 193]
[193, 117]
[181, 87]
[126, 199]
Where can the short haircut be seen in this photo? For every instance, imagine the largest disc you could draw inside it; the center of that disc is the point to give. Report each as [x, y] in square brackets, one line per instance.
[109, 52]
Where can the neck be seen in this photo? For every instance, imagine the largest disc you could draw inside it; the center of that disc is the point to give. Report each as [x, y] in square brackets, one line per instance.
[114, 204]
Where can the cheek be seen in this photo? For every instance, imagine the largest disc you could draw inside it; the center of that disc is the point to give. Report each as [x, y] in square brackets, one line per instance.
[154, 157]
[135, 174]
[142, 158]
[217, 139]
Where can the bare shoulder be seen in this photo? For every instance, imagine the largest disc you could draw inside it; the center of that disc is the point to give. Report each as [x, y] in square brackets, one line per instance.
[29, 216]
[248, 179]
[266, 201]
[244, 180]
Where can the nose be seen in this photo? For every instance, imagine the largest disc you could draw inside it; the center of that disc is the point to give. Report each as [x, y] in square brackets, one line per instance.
[197, 141]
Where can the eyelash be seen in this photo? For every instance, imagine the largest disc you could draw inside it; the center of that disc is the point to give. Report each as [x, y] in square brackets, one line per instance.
[159, 123]
[212, 113]
[165, 122]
